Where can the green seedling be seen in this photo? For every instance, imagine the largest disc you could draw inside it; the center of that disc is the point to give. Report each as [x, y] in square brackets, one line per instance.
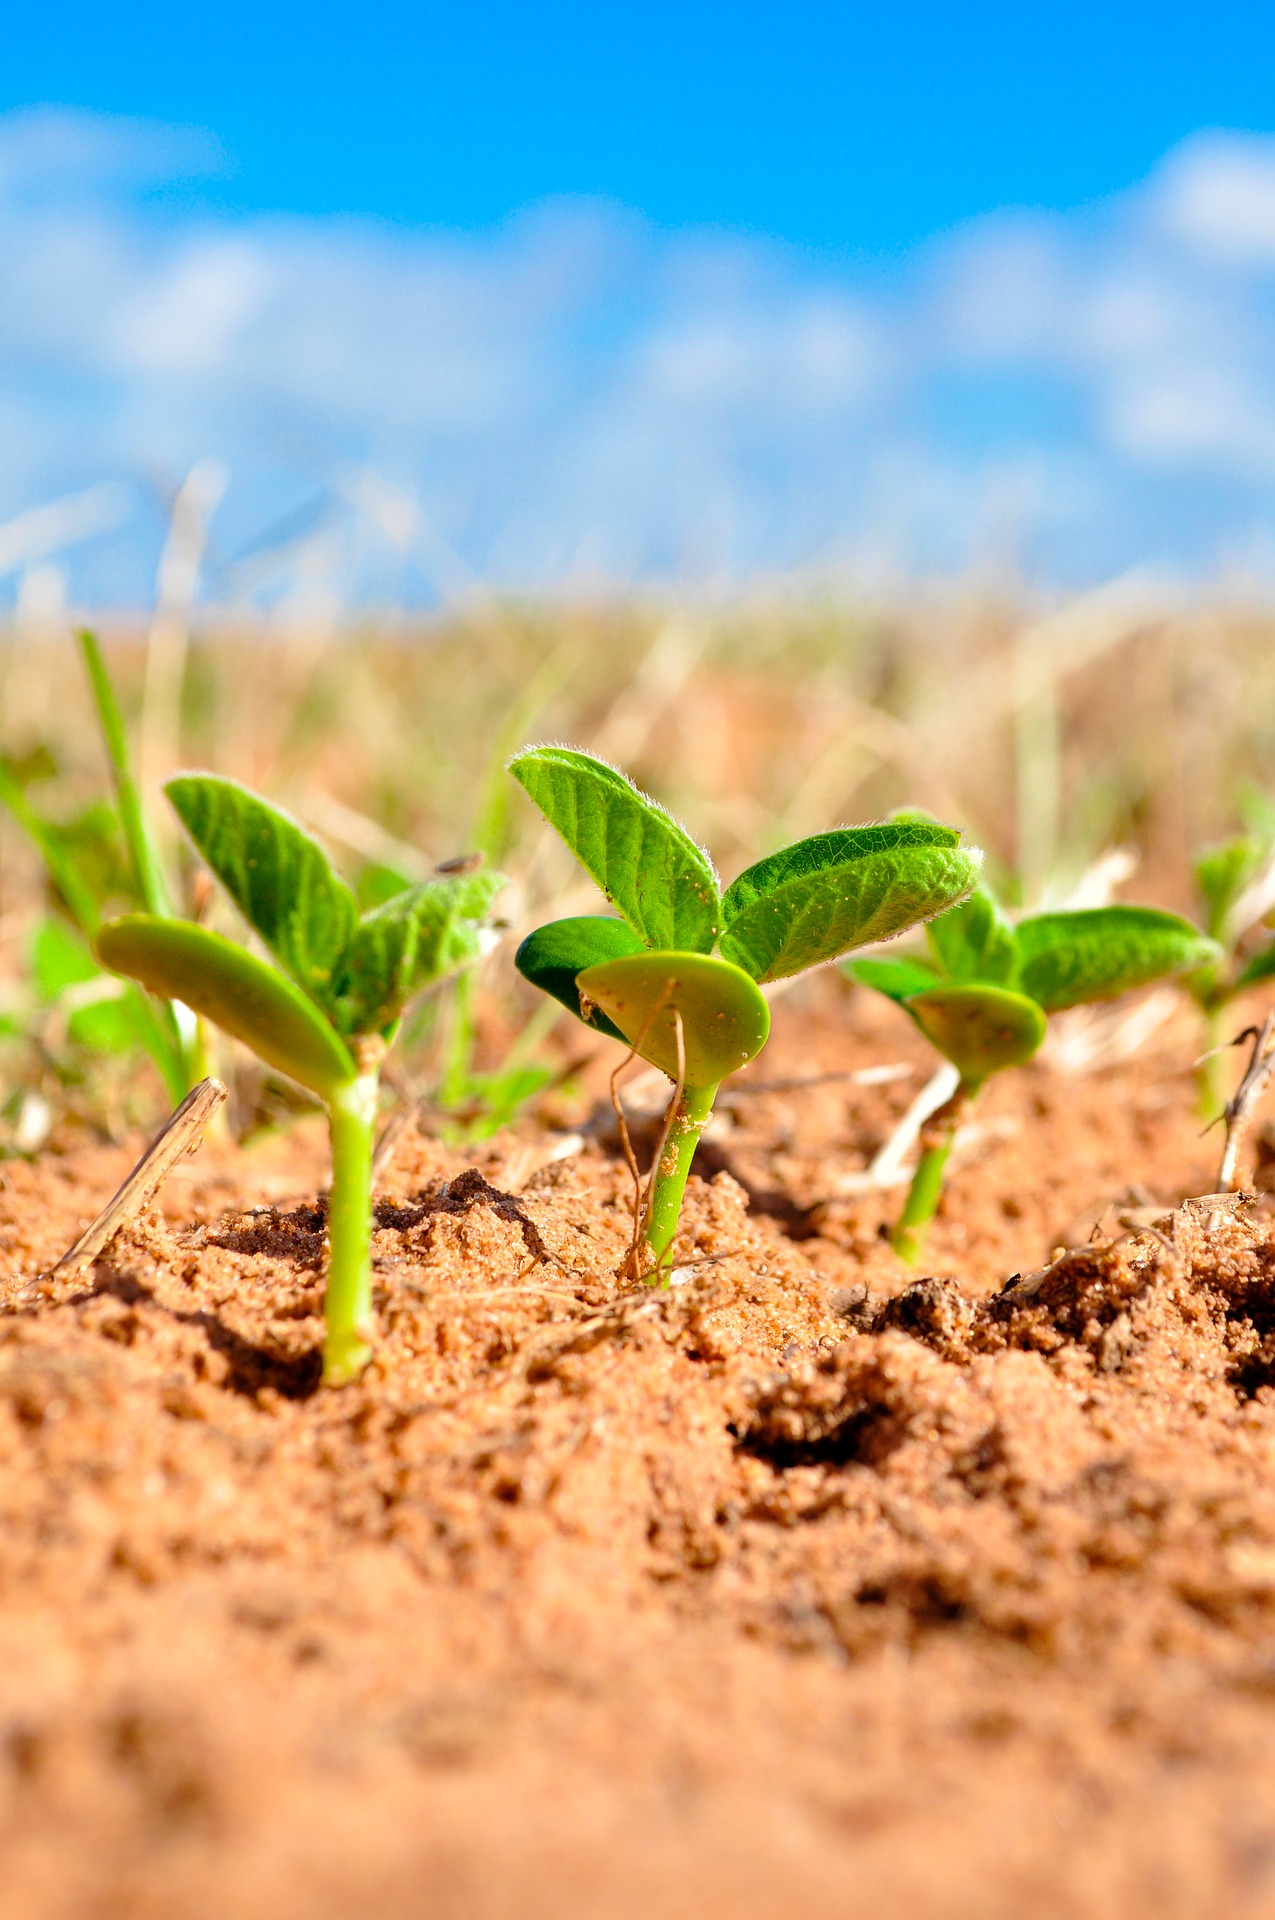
[105, 857]
[1233, 883]
[983, 997]
[678, 976]
[326, 1013]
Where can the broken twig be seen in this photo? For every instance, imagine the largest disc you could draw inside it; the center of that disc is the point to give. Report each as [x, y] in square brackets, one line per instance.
[181, 1135]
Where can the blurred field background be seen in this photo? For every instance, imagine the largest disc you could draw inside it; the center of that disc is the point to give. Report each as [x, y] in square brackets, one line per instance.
[811, 414]
[1106, 739]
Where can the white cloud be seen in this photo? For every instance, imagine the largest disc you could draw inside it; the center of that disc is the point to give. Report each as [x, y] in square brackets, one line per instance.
[577, 393]
[1217, 195]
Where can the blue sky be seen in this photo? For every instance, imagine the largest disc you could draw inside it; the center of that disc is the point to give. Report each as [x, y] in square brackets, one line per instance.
[571, 295]
[835, 125]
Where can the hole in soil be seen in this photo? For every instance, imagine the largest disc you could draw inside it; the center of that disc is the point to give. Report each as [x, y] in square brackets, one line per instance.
[1254, 1320]
[841, 1444]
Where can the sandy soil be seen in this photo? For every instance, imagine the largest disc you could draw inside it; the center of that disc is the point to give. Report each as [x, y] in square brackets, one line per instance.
[803, 1588]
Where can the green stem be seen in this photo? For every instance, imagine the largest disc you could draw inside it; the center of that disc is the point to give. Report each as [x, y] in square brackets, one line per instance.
[668, 1179]
[347, 1304]
[937, 1136]
[1211, 1076]
[458, 1054]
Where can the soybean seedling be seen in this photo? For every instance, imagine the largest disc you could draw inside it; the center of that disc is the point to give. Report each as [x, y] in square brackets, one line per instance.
[1235, 885]
[330, 1009]
[678, 975]
[984, 995]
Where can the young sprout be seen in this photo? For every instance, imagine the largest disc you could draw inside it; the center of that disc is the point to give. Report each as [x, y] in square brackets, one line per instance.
[326, 1013]
[1235, 884]
[984, 995]
[678, 976]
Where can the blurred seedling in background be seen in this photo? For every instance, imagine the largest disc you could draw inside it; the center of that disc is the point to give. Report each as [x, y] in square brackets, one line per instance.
[101, 859]
[678, 976]
[1235, 884]
[984, 995]
[330, 1009]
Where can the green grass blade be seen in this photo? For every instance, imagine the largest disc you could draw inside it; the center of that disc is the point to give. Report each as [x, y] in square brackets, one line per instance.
[45, 837]
[241, 994]
[819, 898]
[148, 871]
[650, 870]
[280, 879]
[1095, 953]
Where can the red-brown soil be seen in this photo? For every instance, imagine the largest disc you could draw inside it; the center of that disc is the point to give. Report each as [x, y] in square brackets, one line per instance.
[784, 1592]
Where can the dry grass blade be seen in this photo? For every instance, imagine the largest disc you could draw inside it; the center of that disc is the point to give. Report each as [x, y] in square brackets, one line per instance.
[181, 1135]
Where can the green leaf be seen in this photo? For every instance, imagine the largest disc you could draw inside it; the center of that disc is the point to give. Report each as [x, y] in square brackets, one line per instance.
[815, 900]
[975, 941]
[59, 958]
[1260, 967]
[980, 1029]
[415, 938]
[897, 978]
[650, 870]
[230, 986]
[280, 879]
[553, 955]
[1221, 875]
[725, 1020]
[1095, 953]
[108, 1026]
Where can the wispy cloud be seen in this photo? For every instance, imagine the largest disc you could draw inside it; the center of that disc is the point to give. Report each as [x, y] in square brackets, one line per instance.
[577, 396]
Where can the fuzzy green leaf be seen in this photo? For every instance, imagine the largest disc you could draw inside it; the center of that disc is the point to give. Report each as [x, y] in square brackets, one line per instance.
[1260, 967]
[897, 978]
[974, 941]
[418, 936]
[725, 1020]
[553, 955]
[1221, 875]
[241, 994]
[650, 870]
[1095, 953]
[280, 879]
[817, 899]
[980, 1029]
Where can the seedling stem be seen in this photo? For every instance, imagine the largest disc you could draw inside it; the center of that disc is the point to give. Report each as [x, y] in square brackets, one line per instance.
[937, 1138]
[690, 1112]
[347, 1343]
